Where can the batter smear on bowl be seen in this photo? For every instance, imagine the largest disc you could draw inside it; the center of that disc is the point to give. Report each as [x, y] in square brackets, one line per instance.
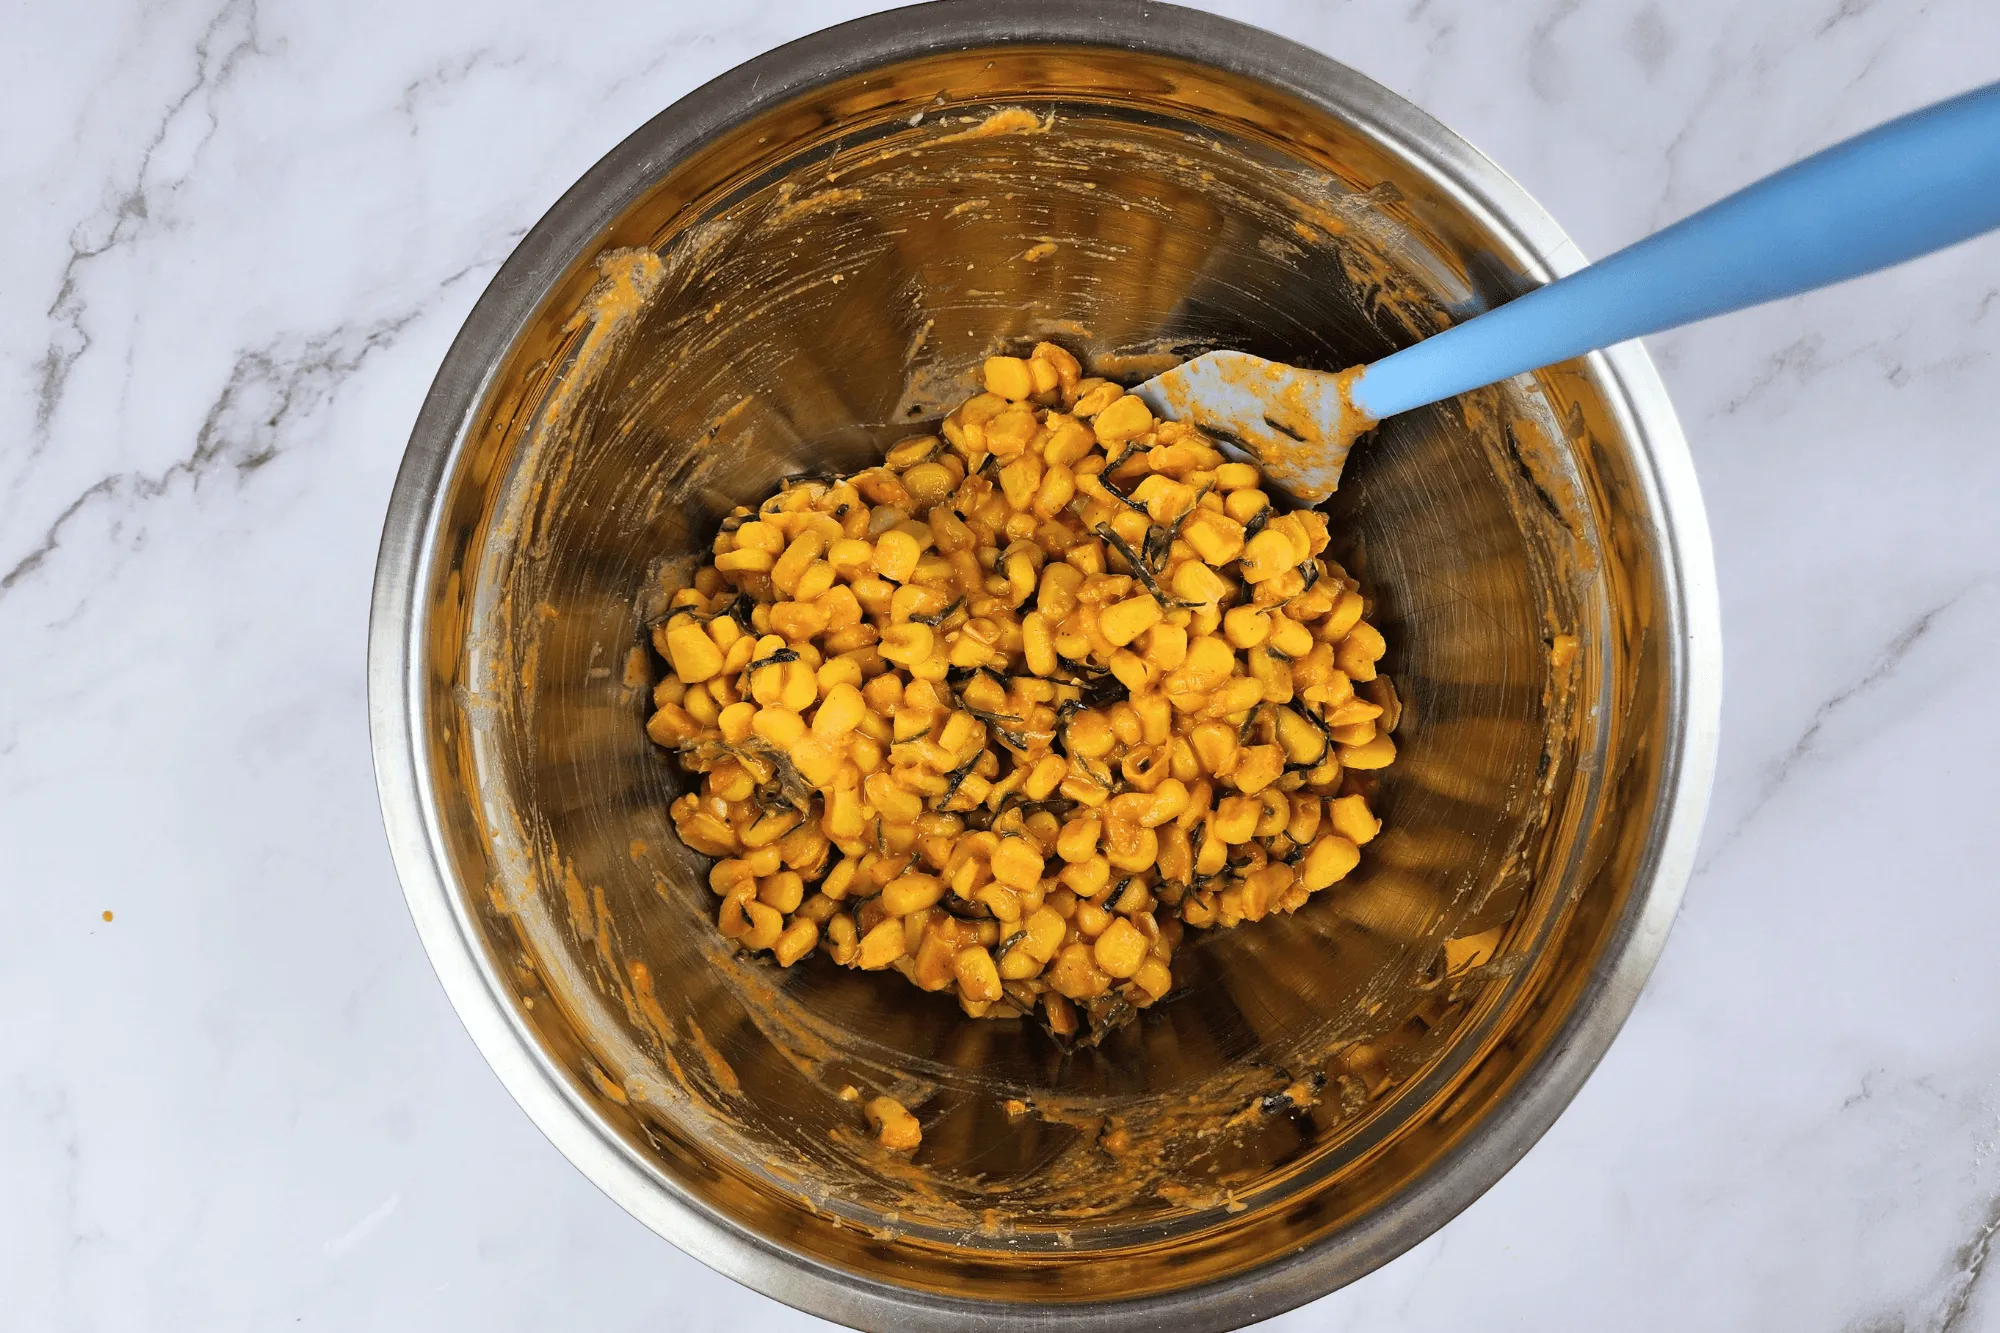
[1010, 712]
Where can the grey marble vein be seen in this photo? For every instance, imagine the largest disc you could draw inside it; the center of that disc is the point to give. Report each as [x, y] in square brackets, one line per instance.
[229, 39]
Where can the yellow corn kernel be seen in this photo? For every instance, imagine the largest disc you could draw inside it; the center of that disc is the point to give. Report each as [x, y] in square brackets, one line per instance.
[1008, 377]
[1008, 433]
[1289, 637]
[700, 705]
[1216, 538]
[1329, 861]
[1090, 735]
[1000, 900]
[814, 584]
[897, 553]
[1209, 662]
[1166, 646]
[1265, 556]
[735, 722]
[840, 713]
[1277, 813]
[1155, 718]
[1078, 839]
[1020, 570]
[1346, 614]
[1305, 819]
[1167, 803]
[1018, 964]
[796, 941]
[1126, 418]
[1120, 949]
[895, 1128]
[1128, 619]
[779, 726]
[1069, 443]
[962, 734]
[1046, 928]
[694, 654]
[851, 556]
[1352, 819]
[907, 644]
[1363, 643]
[911, 893]
[882, 945]
[883, 694]
[1247, 626]
[897, 803]
[1043, 372]
[1195, 582]
[1235, 819]
[1090, 920]
[1038, 644]
[1058, 488]
[1016, 862]
[799, 689]
[978, 978]
[1303, 742]
[816, 759]
[842, 939]
[805, 548]
[838, 671]
[1353, 733]
[1086, 879]
[1059, 587]
[730, 782]
[1020, 480]
[909, 453]
[1047, 774]
[929, 484]
[766, 925]
[757, 535]
[1130, 669]
[1236, 477]
[1378, 753]
[1164, 498]
[745, 562]
[1257, 767]
[1245, 505]
[783, 891]
[1154, 977]
[1214, 744]
[1058, 359]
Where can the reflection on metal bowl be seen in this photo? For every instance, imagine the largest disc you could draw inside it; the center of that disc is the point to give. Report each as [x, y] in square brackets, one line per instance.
[830, 238]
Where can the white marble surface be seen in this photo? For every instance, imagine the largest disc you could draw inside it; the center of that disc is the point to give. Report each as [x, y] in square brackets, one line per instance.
[237, 238]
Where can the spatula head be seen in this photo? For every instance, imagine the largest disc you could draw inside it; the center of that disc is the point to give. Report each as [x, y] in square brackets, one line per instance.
[1297, 425]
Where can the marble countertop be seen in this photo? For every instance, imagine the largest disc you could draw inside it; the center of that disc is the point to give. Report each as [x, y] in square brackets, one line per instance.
[239, 235]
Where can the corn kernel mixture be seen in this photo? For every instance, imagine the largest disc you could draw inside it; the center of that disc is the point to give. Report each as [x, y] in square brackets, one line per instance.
[1010, 712]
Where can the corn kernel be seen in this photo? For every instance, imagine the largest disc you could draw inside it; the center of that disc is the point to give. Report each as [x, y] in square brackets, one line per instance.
[1329, 861]
[796, 941]
[1009, 378]
[1126, 418]
[882, 946]
[1127, 620]
[694, 654]
[1016, 862]
[978, 978]
[1377, 753]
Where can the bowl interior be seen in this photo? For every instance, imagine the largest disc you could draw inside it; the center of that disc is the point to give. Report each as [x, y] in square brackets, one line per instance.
[777, 302]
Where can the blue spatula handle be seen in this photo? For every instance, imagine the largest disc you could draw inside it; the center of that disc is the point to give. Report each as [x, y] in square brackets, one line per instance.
[1901, 190]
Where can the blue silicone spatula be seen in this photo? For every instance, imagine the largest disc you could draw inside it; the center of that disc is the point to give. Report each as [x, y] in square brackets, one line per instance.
[1914, 185]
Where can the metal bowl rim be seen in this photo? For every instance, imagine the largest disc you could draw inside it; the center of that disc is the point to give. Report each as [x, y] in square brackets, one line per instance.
[397, 631]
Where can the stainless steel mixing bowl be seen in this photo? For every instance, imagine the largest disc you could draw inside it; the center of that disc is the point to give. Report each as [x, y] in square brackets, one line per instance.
[831, 237]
